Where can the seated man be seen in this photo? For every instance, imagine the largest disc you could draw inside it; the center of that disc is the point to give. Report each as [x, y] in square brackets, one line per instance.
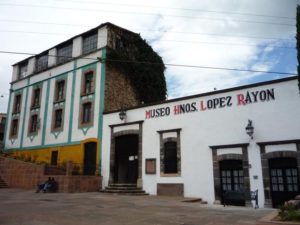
[51, 186]
[42, 185]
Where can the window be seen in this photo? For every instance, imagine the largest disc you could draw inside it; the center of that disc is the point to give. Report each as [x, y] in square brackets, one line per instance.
[33, 124]
[64, 53]
[17, 105]
[23, 70]
[89, 43]
[58, 119]
[36, 98]
[88, 85]
[60, 90]
[42, 62]
[14, 128]
[86, 113]
[170, 157]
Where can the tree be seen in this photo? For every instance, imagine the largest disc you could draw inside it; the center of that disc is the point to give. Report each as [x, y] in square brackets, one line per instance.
[142, 65]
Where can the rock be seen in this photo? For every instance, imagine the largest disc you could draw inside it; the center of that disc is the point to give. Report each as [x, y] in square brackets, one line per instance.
[297, 197]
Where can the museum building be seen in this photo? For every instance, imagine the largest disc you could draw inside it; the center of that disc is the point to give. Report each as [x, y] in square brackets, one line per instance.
[245, 137]
[76, 102]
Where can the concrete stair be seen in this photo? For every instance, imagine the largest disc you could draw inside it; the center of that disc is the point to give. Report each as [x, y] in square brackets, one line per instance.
[124, 189]
[3, 184]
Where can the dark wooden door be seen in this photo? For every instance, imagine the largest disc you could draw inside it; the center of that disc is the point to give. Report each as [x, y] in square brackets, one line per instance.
[54, 157]
[284, 180]
[126, 159]
[232, 178]
[90, 155]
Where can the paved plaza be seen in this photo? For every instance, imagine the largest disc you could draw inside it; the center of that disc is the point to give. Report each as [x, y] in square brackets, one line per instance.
[23, 207]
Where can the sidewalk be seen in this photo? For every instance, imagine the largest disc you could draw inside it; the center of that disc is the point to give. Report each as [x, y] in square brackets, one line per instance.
[19, 207]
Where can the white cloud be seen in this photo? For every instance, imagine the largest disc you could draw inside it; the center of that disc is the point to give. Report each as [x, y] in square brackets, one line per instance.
[180, 39]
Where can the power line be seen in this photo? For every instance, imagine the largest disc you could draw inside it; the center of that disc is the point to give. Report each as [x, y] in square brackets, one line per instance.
[217, 43]
[48, 23]
[145, 14]
[153, 39]
[149, 30]
[225, 35]
[33, 32]
[183, 9]
[166, 64]
[162, 40]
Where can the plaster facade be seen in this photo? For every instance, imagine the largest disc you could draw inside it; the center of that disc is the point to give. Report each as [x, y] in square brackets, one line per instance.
[212, 129]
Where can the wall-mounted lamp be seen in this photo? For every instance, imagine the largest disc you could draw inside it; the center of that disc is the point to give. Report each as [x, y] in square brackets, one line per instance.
[122, 114]
[250, 129]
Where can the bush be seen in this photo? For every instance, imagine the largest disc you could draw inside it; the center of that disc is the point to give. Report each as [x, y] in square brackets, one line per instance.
[289, 212]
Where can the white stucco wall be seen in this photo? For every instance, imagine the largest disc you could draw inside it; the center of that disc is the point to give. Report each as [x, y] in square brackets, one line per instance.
[67, 71]
[273, 120]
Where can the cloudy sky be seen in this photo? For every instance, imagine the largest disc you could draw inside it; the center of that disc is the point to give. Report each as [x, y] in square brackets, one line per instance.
[243, 34]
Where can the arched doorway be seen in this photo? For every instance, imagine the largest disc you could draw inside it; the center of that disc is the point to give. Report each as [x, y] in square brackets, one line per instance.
[284, 180]
[90, 156]
[126, 159]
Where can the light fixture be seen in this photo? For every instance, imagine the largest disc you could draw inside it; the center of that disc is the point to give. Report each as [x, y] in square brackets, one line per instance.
[122, 114]
[250, 129]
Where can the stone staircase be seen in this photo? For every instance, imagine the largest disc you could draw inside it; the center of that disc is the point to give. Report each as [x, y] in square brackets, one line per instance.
[124, 189]
[3, 184]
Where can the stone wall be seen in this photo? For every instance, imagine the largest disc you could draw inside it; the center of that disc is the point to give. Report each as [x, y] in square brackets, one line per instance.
[119, 92]
[19, 174]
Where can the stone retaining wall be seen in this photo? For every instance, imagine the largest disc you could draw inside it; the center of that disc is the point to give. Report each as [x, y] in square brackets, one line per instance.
[19, 174]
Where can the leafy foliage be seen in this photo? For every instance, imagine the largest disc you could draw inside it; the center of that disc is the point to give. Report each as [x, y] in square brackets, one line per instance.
[288, 212]
[141, 64]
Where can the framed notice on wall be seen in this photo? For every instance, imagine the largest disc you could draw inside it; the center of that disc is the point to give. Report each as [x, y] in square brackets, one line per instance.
[150, 166]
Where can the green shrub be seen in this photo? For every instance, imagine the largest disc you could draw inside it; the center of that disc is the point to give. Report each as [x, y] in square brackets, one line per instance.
[289, 212]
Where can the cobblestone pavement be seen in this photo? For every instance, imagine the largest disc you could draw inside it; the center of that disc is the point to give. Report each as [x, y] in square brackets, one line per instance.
[19, 207]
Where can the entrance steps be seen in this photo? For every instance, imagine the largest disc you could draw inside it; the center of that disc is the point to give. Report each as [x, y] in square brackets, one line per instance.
[3, 184]
[124, 189]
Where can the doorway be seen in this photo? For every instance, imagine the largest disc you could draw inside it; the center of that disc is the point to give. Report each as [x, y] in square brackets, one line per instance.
[54, 157]
[126, 159]
[284, 180]
[232, 179]
[90, 155]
